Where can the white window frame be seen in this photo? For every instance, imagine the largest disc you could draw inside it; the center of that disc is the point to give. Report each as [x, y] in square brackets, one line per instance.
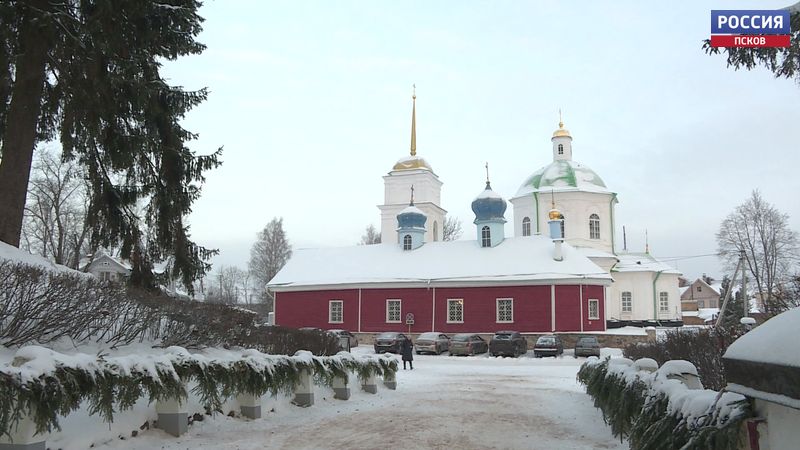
[663, 302]
[407, 242]
[399, 311]
[702, 304]
[596, 315]
[459, 301]
[630, 302]
[497, 310]
[330, 311]
[486, 236]
[594, 226]
[526, 226]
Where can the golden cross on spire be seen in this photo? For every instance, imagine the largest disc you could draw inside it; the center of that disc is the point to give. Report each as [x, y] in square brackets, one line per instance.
[414, 122]
[487, 173]
[560, 121]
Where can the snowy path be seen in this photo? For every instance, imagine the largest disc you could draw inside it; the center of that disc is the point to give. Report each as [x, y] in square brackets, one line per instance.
[445, 403]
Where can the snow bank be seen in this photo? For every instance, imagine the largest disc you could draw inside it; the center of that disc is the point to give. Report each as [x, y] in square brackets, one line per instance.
[640, 404]
[16, 255]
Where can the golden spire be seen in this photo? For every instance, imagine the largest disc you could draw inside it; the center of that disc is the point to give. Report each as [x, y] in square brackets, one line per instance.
[487, 172]
[554, 214]
[560, 121]
[414, 122]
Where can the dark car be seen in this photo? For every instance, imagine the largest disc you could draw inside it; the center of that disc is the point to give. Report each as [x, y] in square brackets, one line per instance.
[508, 343]
[432, 342]
[468, 344]
[548, 345]
[339, 333]
[587, 346]
[391, 342]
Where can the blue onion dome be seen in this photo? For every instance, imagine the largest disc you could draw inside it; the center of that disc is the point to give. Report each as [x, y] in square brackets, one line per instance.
[489, 205]
[411, 217]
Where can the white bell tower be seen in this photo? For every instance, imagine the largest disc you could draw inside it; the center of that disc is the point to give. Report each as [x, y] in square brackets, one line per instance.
[562, 142]
[411, 171]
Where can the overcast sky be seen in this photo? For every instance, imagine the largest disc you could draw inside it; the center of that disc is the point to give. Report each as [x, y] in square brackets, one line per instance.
[312, 102]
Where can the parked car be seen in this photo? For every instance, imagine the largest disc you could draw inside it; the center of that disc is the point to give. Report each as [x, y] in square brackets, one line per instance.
[432, 342]
[391, 342]
[548, 345]
[587, 346]
[467, 344]
[508, 343]
[339, 333]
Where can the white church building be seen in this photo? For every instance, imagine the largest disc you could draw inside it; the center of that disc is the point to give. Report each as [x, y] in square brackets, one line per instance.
[559, 272]
[644, 291]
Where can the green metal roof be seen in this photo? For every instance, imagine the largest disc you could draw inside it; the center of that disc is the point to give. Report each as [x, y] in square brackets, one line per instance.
[563, 175]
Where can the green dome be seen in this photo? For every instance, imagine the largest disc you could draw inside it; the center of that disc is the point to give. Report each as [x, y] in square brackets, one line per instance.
[563, 175]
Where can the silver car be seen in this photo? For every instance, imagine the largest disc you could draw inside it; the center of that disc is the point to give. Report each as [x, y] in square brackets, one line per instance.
[468, 344]
[432, 342]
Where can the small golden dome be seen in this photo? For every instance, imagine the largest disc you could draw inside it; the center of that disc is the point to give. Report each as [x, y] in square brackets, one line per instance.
[554, 214]
[561, 131]
[412, 163]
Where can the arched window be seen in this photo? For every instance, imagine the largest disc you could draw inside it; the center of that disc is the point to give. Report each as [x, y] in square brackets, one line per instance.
[435, 231]
[563, 236]
[486, 237]
[526, 226]
[560, 149]
[594, 226]
[407, 242]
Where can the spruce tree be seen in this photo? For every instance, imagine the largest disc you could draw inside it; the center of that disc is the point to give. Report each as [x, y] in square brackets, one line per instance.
[87, 73]
[733, 312]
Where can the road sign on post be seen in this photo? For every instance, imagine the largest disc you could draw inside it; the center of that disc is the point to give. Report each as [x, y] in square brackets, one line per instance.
[409, 321]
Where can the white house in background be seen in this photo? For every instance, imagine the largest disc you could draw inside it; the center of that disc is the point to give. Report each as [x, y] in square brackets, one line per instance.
[108, 268]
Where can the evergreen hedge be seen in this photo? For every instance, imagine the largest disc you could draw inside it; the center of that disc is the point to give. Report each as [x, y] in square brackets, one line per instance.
[44, 384]
[655, 413]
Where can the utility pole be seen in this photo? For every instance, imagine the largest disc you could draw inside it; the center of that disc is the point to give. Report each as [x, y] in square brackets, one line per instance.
[728, 293]
[745, 297]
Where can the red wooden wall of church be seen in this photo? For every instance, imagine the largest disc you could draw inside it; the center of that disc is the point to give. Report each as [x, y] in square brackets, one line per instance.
[532, 307]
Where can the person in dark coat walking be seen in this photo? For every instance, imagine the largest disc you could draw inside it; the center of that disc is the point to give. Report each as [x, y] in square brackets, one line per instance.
[408, 354]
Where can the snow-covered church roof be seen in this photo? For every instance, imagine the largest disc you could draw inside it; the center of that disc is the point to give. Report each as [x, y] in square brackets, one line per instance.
[642, 262]
[563, 175]
[519, 260]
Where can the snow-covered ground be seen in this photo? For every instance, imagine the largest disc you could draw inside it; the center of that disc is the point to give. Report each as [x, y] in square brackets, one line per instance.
[445, 402]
